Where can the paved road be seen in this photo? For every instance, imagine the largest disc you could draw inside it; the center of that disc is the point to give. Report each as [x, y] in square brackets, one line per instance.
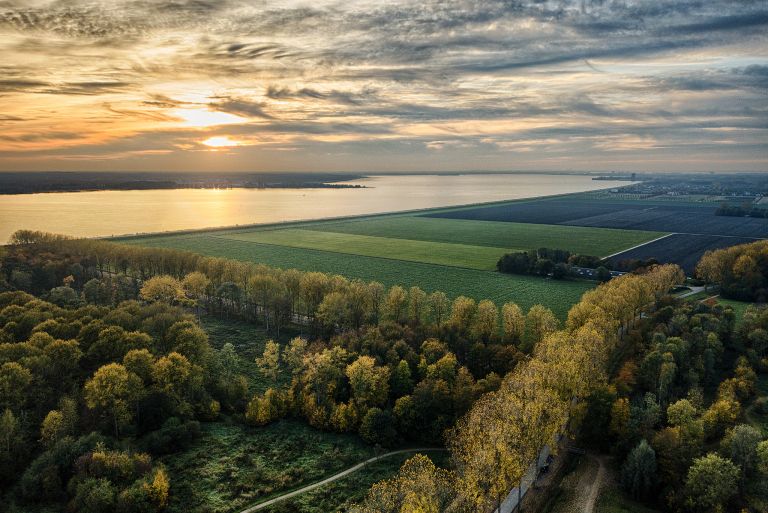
[344, 473]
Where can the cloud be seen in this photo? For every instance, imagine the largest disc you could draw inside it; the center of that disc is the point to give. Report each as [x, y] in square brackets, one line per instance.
[473, 78]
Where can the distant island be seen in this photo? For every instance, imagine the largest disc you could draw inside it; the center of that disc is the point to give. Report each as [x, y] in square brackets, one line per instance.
[39, 182]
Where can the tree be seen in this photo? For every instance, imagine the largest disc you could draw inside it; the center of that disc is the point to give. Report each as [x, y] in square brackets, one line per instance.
[418, 306]
[9, 428]
[53, 427]
[401, 382]
[762, 456]
[741, 444]
[462, 313]
[438, 305]
[112, 389]
[539, 322]
[269, 362]
[638, 474]
[395, 305]
[293, 354]
[166, 289]
[602, 274]
[369, 383]
[486, 321]
[157, 490]
[196, 284]
[172, 375]
[334, 311]
[419, 487]
[513, 323]
[377, 427]
[711, 482]
[14, 381]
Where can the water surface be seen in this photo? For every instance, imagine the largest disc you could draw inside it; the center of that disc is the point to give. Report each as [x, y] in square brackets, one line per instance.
[103, 213]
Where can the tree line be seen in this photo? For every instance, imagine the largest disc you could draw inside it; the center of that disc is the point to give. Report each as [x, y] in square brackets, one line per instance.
[557, 263]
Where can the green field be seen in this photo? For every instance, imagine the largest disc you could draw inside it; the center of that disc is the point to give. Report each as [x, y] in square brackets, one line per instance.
[587, 241]
[456, 256]
[523, 290]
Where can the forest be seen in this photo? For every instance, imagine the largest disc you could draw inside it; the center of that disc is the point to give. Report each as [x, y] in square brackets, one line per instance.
[105, 368]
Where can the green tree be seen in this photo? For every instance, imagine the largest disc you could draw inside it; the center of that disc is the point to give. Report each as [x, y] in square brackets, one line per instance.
[14, 382]
[711, 482]
[741, 445]
[377, 427]
[401, 381]
[638, 474]
[762, 457]
[9, 428]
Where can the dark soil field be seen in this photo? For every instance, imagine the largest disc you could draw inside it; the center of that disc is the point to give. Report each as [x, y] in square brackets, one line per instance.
[667, 216]
[694, 226]
[682, 249]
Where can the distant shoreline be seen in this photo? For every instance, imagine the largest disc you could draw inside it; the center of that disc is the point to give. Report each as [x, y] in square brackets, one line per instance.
[17, 183]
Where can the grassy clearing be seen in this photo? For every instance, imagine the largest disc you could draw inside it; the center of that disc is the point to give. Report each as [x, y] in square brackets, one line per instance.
[249, 342]
[590, 241]
[233, 466]
[739, 307]
[523, 290]
[340, 495]
[454, 255]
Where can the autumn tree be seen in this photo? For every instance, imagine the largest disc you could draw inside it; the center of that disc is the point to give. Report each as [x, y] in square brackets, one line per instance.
[269, 361]
[162, 288]
[513, 323]
[111, 390]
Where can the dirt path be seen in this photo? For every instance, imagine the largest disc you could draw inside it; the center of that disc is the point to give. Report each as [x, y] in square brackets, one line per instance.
[344, 473]
[597, 483]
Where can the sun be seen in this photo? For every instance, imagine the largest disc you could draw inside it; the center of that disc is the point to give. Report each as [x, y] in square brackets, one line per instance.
[221, 142]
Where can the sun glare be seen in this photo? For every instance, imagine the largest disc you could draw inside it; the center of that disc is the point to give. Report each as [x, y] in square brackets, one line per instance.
[201, 118]
[221, 142]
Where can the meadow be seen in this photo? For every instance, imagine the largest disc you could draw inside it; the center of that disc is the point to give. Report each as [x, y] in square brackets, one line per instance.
[455, 256]
[232, 466]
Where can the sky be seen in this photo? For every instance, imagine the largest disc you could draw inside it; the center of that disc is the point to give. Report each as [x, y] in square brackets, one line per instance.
[377, 86]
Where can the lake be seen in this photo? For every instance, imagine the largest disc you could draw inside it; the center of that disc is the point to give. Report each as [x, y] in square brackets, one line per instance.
[104, 213]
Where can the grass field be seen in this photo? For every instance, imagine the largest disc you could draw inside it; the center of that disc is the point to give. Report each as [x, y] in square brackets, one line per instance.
[523, 290]
[454, 255]
[587, 241]
[232, 466]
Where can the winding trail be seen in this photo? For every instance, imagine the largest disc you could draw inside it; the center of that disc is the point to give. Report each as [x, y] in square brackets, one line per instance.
[594, 491]
[335, 477]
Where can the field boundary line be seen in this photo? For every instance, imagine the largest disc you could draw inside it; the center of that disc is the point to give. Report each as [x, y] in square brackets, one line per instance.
[335, 477]
[641, 245]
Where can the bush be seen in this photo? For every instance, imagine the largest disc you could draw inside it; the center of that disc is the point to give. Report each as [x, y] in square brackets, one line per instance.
[174, 436]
